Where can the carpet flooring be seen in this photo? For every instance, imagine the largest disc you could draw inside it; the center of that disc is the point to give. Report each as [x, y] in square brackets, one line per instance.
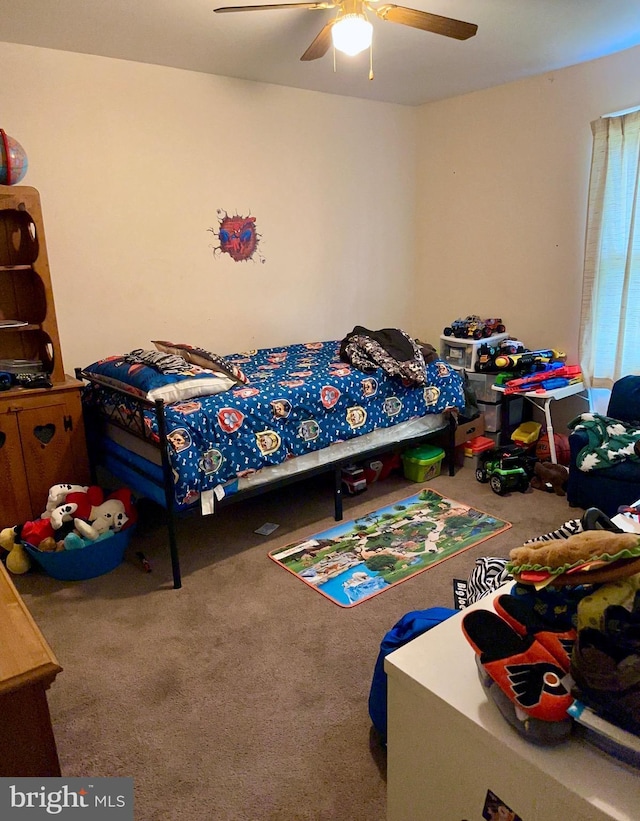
[242, 697]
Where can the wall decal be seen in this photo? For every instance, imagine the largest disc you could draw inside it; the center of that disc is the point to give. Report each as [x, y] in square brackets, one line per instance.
[237, 237]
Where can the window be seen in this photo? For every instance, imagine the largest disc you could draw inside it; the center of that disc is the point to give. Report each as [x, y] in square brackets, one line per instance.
[610, 310]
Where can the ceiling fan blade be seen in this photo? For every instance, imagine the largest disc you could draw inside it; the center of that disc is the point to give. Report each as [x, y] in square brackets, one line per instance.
[425, 21]
[265, 7]
[321, 44]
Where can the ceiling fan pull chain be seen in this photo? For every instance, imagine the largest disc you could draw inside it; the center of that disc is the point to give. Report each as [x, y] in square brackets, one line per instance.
[371, 61]
[334, 61]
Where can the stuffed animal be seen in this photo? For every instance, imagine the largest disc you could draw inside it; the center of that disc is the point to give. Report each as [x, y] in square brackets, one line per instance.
[18, 560]
[8, 537]
[77, 504]
[58, 495]
[34, 532]
[111, 516]
[547, 476]
[73, 541]
[84, 516]
[590, 548]
[48, 545]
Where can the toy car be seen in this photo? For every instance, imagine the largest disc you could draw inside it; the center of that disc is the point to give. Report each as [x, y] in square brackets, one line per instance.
[353, 479]
[487, 353]
[493, 326]
[474, 327]
[511, 346]
[505, 469]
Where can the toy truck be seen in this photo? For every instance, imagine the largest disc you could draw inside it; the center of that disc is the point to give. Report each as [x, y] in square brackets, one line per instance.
[474, 327]
[353, 480]
[505, 469]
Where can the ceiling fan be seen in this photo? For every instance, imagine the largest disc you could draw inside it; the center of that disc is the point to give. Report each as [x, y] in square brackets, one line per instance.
[350, 30]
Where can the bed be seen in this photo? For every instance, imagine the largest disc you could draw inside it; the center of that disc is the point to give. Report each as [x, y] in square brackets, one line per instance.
[209, 430]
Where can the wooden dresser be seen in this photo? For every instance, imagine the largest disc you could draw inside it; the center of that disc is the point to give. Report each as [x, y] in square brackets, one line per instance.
[27, 669]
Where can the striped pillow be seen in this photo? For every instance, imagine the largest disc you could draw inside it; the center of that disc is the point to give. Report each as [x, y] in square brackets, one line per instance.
[203, 358]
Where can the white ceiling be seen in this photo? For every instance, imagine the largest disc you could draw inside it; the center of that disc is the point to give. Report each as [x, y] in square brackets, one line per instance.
[515, 39]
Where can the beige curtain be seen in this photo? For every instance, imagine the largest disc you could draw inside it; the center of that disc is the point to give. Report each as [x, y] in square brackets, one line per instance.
[610, 311]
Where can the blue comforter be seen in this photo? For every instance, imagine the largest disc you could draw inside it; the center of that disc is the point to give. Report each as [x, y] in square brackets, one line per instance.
[298, 399]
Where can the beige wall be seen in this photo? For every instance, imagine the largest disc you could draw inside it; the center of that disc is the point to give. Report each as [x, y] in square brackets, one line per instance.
[132, 162]
[503, 180]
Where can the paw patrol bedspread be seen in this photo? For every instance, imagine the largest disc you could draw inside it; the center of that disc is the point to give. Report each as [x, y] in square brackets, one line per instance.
[298, 399]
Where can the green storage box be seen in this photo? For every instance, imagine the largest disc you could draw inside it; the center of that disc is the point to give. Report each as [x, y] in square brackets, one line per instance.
[422, 463]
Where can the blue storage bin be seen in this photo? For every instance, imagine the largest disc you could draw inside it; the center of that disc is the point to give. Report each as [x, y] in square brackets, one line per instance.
[86, 562]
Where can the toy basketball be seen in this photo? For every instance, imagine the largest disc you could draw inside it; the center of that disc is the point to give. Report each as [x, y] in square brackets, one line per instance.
[562, 448]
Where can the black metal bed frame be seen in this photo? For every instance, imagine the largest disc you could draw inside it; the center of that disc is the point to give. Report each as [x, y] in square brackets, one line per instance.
[97, 414]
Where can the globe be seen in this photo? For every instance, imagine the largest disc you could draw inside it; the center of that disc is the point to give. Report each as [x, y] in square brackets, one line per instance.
[13, 160]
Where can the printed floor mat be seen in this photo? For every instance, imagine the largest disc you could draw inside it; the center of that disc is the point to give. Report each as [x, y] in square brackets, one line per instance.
[355, 560]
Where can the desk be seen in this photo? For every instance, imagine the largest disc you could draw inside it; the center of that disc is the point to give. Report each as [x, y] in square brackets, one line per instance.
[542, 401]
[448, 744]
[27, 668]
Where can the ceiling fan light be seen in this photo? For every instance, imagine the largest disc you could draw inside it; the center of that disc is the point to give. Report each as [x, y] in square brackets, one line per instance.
[352, 34]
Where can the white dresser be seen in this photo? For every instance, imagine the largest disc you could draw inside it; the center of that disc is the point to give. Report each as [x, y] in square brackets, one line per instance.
[448, 745]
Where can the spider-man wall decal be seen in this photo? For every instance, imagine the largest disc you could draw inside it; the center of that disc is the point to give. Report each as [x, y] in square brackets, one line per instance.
[237, 237]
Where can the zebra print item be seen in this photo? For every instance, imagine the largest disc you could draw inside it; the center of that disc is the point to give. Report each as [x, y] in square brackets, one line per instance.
[487, 575]
[569, 528]
[161, 362]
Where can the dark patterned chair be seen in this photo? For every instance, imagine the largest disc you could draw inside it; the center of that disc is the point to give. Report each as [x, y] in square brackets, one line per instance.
[608, 488]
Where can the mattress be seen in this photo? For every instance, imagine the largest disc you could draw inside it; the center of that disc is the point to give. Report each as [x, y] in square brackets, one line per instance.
[139, 463]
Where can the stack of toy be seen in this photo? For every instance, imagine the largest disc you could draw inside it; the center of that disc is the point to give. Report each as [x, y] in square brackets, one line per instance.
[548, 377]
[75, 517]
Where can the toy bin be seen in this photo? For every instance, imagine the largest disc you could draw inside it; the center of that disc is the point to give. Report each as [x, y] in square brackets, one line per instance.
[378, 468]
[475, 446]
[527, 433]
[86, 562]
[422, 463]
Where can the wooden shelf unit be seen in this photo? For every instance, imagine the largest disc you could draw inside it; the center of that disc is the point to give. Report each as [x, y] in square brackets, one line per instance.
[25, 282]
[42, 438]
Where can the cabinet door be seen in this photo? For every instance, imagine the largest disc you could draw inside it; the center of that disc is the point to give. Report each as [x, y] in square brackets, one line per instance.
[45, 434]
[15, 503]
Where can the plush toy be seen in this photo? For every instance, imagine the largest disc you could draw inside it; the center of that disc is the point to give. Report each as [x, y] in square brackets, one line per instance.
[112, 519]
[126, 497]
[58, 495]
[601, 555]
[8, 538]
[48, 545]
[547, 476]
[74, 542]
[85, 516]
[34, 532]
[18, 560]
[110, 515]
[77, 504]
